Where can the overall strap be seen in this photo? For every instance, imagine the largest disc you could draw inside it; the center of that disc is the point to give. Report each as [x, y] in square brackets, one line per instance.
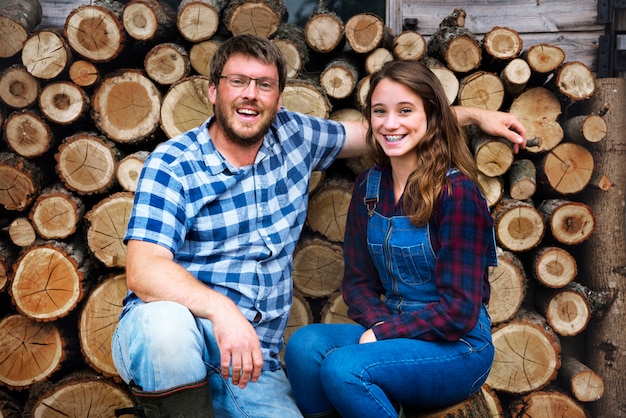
[372, 188]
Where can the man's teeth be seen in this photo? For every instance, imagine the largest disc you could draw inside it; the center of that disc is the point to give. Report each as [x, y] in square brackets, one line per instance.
[247, 111]
[393, 138]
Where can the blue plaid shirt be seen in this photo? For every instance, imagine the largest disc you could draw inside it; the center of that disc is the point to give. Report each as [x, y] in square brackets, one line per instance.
[234, 228]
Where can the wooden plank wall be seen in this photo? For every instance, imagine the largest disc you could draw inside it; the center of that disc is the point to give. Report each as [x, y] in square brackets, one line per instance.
[565, 23]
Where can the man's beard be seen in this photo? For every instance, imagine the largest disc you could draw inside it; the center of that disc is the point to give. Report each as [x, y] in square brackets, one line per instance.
[245, 140]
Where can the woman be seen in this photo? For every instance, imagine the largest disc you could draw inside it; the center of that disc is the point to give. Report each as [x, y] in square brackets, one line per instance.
[419, 241]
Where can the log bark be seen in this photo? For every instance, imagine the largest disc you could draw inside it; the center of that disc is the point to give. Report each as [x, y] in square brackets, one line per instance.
[126, 106]
[317, 267]
[167, 63]
[519, 226]
[569, 222]
[18, 18]
[29, 351]
[527, 354]
[256, 17]
[522, 179]
[95, 31]
[48, 282]
[185, 105]
[106, 224]
[328, 209]
[79, 394]
[97, 322]
[508, 287]
[27, 134]
[85, 163]
[456, 45]
[20, 181]
[604, 253]
[566, 169]
[63, 102]
[198, 20]
[585, 129]
[18, 88]
[46, 54]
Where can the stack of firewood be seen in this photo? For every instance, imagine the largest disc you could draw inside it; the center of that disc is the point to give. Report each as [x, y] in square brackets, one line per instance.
[82, 106]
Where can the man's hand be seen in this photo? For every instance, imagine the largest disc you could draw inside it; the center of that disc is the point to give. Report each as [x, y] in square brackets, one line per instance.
[238, 343]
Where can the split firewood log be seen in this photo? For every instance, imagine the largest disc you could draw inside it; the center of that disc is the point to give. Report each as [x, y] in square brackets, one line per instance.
[566, 169]
[456, 45]
[317, 267]
[409, 45]
[502, 44]
[56, 213]
[79, 394]
[84, 73]
[102, 20]
[493, 155]
[515, 76]
[198, 20]
[257, 17]
[129, 169]
[328, 208]
[508, 287]
[22, 232]
[569, 222]
[518, 225]
[18, 18]
[481, 89]
[585, 384]
[48, 280]
[167, 63]
[290, 40]
[97, 322]
[522, 179]
[553, 267]
[527, 354]
[575, 81]
[547, 404]
[20, 181]
[30, 351]
[335, 311]
[538, 109]
[366, 31]
[585, 129]
[185, 105]
[86, 162]
[46, 54]
[18, 88]
[149, 20]
[27, 134]
[339, 77]
[324, 31]
[567, 310]
[448, 79]
[105, 225]
[63, 102]
[200, 55]
[126, 106]
[492, 187]
[306, 96]
[475, 406]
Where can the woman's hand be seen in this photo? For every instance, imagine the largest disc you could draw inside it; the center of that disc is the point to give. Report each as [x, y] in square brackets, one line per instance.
[368, 337]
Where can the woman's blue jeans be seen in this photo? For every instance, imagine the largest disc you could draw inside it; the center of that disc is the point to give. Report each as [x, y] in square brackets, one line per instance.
[160, 345]
[329, 370]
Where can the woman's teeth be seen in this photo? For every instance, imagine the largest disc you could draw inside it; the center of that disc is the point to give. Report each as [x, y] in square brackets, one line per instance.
[393, 138]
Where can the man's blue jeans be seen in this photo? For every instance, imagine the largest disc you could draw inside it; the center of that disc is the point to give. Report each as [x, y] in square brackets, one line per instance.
[160, 345]
[329, 370]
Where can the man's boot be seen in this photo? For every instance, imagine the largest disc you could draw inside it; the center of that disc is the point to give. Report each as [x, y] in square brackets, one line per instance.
[186, 401]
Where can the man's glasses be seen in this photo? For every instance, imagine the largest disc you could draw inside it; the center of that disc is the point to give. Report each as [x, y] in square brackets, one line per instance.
[240, 81]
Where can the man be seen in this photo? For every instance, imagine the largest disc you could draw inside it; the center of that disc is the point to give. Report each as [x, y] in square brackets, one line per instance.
[217, 214]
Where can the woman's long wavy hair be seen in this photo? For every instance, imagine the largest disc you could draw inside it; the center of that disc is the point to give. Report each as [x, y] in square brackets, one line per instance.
[443, 147]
